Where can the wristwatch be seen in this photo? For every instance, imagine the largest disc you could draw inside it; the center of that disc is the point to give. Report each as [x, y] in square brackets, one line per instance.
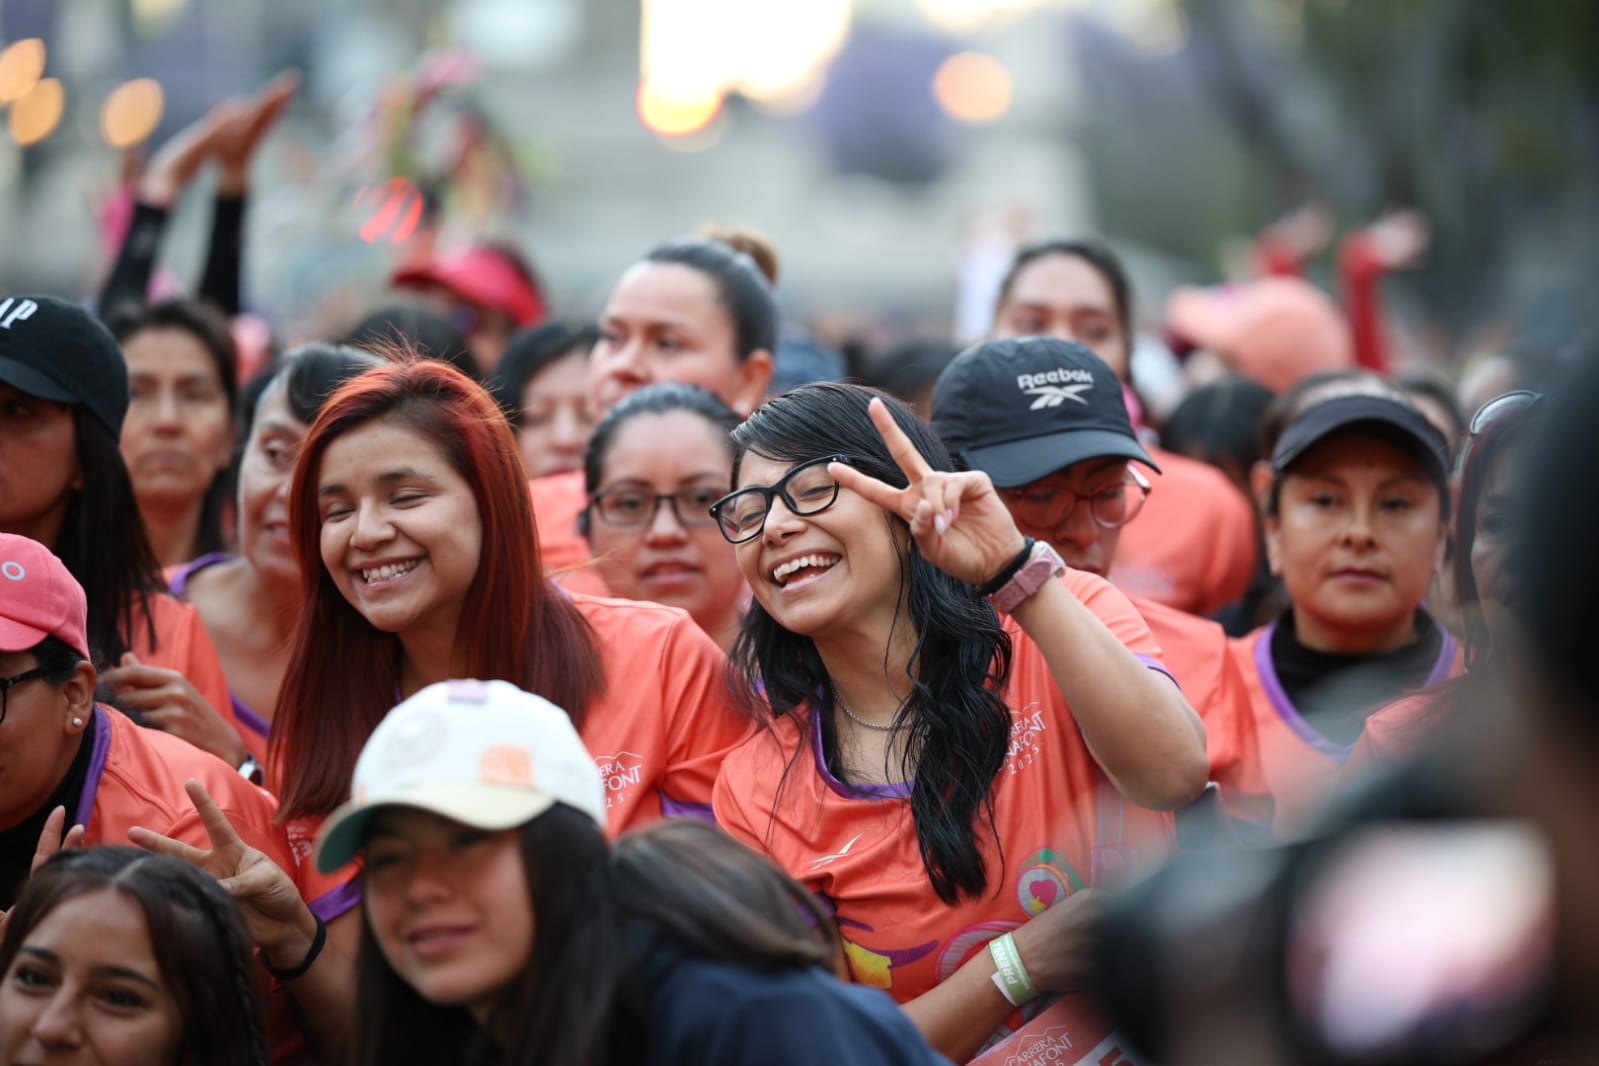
[1042, 565]
[252, 771]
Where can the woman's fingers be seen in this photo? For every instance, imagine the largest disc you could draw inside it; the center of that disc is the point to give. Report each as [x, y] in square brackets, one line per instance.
[150, 840]
[885, 496]
[217, 826]
[910, 461]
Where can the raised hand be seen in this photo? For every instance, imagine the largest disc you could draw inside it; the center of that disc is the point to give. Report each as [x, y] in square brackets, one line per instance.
[50, 842]
[958, 520]
[167, 701]
[280, 922]
[241, 125]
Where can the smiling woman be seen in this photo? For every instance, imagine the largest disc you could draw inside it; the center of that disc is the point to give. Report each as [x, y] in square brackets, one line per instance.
[116, 955]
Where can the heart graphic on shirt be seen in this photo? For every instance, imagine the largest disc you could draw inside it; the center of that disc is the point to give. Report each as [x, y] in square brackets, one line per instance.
[1044, 891]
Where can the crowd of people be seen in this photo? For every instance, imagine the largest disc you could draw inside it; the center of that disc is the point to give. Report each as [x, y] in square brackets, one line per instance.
[489, 686]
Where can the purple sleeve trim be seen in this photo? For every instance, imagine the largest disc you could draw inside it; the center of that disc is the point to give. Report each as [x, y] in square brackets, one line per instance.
[901, 790]
[330, 905]
[1446, 660]
[671, 808]
[1159, 667]
[179, 583]
[91, 784]
[1285, 708]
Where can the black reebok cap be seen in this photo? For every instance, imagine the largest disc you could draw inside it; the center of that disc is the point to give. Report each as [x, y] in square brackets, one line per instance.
[1388, 419]
[55, 350]
[1022, 408]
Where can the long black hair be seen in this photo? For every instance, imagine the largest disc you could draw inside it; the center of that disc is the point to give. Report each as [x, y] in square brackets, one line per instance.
[104, 545]
[958, 726]
[680, 880]
[197, 935]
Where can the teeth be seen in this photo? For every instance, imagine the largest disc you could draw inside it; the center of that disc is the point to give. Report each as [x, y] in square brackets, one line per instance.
[391, 571]
[780, 573]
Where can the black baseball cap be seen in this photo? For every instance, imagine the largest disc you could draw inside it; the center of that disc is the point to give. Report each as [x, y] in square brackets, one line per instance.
[1383, 417]
[55, 350]
[1022, 408]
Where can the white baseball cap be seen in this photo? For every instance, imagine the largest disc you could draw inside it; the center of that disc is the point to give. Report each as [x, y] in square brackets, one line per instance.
[486, 754]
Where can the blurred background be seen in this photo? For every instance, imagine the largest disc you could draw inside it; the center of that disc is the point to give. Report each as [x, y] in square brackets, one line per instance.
[889, 147]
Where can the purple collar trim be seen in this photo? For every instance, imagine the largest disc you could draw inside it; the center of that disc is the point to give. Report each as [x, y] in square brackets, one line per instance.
[901, 790]
[248, 718]
[91, 785]
[179, 583]
[1290, 714]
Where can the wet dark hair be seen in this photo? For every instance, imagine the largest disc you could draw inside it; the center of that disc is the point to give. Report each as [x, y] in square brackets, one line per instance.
[1219, 423]
[423, 331]
[594, 906]
[1104, 262]
[657, 399]
[197, 934]
[207, 326]
[958, 726]
[741, 288]
[531, 350]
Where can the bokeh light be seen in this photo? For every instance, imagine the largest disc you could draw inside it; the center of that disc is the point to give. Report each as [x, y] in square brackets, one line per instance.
[783, 48]
[131, 112]
[672, 115]
[973, 87]
[21, 67]
[36, 115]
[390, 211]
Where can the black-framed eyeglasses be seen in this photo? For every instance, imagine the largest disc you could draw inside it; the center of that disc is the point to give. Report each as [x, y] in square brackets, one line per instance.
[7, 682]
[1111, 506]
[806, 489]
[635, 508]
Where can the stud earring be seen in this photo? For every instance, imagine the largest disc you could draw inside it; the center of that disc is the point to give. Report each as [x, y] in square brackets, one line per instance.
[77, 721]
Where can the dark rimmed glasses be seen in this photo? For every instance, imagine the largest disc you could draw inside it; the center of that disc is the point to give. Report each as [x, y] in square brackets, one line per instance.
[1111, 506]
[636, 508]
[806, 489]
[7, 682]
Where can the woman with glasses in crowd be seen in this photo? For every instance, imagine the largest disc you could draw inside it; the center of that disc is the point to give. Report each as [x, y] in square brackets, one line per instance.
[655, 465]
[938, 773]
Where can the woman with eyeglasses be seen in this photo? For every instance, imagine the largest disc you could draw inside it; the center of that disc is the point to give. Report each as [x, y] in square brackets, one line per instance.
[1355, 513]
[654, 466]
[1490, 494]
[940, 775]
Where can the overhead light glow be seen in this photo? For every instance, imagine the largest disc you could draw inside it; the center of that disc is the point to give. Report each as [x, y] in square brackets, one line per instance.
[973, 87]
[676, 116]
[21, 67]
[36, 115]
[131, 112]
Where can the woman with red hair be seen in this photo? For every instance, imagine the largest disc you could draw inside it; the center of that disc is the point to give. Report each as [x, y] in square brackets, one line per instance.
[410, 517]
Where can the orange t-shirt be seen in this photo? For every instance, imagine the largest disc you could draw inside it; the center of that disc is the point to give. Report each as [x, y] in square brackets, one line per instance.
[1192, 547]
[658, 733]
[1302, 766]
[1195, 651]
[1061, 824]
[557, 501]
[245, 720]
[136, 777]
[1394, 734]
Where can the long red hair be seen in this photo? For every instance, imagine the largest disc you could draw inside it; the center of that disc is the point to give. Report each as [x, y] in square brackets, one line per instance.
[344, 674]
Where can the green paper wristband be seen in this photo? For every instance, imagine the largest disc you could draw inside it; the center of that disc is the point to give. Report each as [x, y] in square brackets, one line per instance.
[1009, 974]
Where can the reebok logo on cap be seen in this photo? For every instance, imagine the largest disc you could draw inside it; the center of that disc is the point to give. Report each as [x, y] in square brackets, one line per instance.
[24, 309]
[1055, 387]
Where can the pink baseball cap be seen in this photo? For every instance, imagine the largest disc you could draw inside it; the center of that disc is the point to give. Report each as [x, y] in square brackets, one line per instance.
[1272, 330]
[482, 275]
[39, 598]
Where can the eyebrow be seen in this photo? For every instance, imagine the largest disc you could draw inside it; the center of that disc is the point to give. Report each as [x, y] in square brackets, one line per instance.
[404, 473]
[105, 971]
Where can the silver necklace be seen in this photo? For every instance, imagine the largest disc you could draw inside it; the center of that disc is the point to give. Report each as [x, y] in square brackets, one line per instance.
[858, 720]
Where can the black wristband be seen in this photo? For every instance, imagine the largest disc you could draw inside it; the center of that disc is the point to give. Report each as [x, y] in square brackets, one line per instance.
[1011, 568]
[317, 943]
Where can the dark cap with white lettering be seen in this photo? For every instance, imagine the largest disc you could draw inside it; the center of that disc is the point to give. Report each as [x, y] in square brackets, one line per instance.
[1022, 408]
[57, 351]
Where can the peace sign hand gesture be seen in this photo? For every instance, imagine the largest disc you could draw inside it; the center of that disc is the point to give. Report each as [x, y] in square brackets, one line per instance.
[958, 520]
[280, 922]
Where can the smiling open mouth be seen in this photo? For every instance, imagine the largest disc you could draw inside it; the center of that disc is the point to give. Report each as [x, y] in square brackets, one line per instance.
[803, 567]
[389, 571]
